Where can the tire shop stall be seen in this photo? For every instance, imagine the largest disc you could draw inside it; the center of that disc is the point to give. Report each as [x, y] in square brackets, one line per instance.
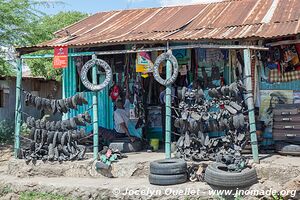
[199, 85]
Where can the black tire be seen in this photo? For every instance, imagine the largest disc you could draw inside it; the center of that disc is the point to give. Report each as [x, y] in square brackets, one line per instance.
[215, 175]
[168, 167]
[287, 148]
[87, 66]
[164, 57]
[157, 179]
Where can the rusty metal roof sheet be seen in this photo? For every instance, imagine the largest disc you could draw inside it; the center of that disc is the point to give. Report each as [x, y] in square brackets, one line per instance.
[233, 19]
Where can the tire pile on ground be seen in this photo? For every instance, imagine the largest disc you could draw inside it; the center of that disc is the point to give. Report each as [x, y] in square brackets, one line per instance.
[168, 172]
[222, 112]
[55, 140]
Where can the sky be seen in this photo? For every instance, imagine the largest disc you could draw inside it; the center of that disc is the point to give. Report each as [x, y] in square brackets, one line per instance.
[93, 6]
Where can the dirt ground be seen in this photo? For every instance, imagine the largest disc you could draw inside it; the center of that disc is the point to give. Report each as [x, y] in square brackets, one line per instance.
[275, 172]
[6, 152]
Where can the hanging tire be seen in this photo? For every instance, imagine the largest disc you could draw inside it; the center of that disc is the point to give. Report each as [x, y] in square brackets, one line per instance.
[157, 179]
[87, 66]
[216, 174]
[168, 167]
[287, 148]
[166, 57]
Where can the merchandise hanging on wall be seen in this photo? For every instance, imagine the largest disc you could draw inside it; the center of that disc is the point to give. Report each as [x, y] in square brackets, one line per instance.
[55, 140]
[222, 112]
[283, 62]
[55, 105]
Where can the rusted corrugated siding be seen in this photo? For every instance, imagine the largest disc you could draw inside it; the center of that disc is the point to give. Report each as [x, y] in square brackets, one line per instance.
[234, 19]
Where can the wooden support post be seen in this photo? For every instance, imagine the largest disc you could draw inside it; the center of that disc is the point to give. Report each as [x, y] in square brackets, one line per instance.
[250, 103]
[95, 114]
[18, 107]
[168, 112]
[64, 90]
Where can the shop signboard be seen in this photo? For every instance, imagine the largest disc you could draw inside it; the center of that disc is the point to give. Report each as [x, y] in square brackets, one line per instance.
[144, 63]
[60, 59]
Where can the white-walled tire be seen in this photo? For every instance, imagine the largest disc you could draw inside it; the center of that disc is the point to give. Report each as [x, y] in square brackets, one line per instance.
[87, 66]
[166, 57]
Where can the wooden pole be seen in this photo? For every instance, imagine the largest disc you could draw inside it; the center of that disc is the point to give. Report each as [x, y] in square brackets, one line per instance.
[250, 103]
[168, 111]
[18, 107]
[95, 114]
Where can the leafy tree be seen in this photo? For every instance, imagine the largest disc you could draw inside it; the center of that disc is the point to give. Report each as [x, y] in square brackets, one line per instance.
[16, 16]
[22, 24]
[44, 31]
[5, 69]
[15, 19]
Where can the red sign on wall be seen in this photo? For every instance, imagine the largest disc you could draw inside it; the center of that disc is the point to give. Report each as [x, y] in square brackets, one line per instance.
[60, 59]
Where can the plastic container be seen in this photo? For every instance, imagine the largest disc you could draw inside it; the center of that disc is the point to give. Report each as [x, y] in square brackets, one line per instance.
[154, 143]
[155, 133]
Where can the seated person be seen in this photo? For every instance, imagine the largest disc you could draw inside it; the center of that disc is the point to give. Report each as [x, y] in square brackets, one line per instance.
[121, 119]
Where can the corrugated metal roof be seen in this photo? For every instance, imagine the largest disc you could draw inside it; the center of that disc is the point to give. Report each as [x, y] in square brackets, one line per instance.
[234, 19]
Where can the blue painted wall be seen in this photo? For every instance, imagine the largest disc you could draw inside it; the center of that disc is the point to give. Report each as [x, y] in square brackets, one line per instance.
[105, 105]
[292, 85]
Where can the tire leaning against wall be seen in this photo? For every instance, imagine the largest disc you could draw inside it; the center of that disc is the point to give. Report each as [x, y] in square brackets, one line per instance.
[87, 66]
[166, 57]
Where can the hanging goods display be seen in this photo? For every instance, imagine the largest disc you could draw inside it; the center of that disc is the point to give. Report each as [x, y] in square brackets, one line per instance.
[55, 140]
[115, 92]
[55, 105]
[88, 66]
[222, 114]
[166, 57]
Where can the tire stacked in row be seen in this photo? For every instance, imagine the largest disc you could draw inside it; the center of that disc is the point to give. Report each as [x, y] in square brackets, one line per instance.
[168, 172]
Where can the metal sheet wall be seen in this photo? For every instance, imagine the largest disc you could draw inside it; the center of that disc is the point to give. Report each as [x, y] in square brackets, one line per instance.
[292, 85]
[69, 88]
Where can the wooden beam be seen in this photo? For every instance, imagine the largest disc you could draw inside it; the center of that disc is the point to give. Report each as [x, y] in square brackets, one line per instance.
[250, 104]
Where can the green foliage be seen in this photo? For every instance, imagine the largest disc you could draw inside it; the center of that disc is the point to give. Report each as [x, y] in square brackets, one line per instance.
[16, 20]
[6, 132]
[45, 28]
[41, 195]
[5, 69]
[44, 31]
[277, 196]
[22, 24]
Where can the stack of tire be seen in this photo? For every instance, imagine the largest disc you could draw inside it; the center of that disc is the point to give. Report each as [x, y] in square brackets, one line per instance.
[168, 172]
